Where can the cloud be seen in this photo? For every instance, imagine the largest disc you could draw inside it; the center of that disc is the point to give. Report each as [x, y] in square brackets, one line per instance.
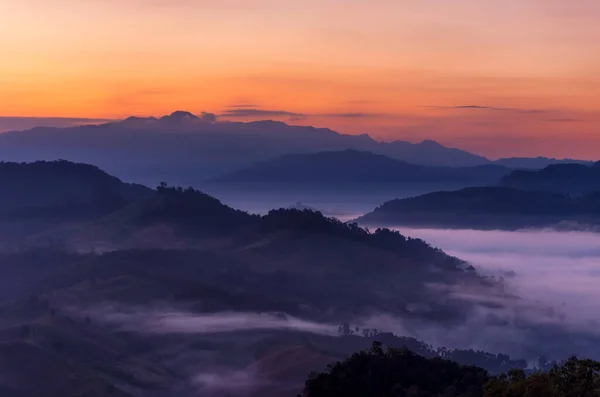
[208, 117]
[24, 123]
[168, 320]
[228, 381]
[564, 120]
[471, 107]
[242, 106]
[557, 269]
[248, 112]
[253, 111]
[351, 115]
[550, 304]
[483, 107]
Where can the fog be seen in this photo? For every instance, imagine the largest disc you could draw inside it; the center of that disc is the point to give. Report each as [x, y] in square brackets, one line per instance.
[555, 275]
[169, 320]
[558, 268]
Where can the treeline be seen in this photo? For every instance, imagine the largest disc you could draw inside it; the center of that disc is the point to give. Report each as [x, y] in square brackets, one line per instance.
[494, 363]
[194, 208]
[402, 373]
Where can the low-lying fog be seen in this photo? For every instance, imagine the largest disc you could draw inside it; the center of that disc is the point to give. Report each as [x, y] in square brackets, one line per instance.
[344, 206]
[556, 272]
[560, 268]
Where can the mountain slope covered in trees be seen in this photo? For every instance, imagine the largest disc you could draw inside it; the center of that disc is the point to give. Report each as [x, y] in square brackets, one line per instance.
[402, 373]
[560, 178]
[489, 208]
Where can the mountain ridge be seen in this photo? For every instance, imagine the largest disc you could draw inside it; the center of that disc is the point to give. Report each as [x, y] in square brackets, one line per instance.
[570, 178]
[354, 167]
[490, 207]
[187, 149]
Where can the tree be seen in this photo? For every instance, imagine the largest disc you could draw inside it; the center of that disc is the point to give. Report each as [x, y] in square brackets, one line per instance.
[573, 378]
[396, 373]
[402, 373]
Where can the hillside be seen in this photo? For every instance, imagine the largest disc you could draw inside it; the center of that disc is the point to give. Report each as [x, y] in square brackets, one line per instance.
[358, 169]
[561, 178]
[261, 305]
[400, 372]
[488, 208]
[169, 217]
[41, 196]
[46, 188]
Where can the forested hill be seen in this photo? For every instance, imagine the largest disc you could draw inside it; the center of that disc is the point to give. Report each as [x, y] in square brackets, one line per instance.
[560, 178]
[354, 167]
[53, 188]
[402, 373]
[488, 208]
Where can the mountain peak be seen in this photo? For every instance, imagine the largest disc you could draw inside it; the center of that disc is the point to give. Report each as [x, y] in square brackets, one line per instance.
[180, 116]
[135, 121]
[431, 143]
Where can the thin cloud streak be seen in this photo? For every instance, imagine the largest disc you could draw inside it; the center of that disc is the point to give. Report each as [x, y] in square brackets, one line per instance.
[168, 320]
[8, 123]
[483, 107]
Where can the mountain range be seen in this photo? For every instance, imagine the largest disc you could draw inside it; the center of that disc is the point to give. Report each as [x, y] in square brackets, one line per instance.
[83, 299]
[358, 170]
[186, 149]
[168, 291]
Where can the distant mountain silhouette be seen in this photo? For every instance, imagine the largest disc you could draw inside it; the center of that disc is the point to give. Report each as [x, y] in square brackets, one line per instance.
[536, 163]
[359, 169]
[562, 178]
[489, 208]
[187, 149]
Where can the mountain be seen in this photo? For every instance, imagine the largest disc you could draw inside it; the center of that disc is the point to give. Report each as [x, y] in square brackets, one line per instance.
[355, 169]
[156, 322]
[131, 322]
[489, 208]
[177, 293]
[535, 163]
[562, 178]
[45, 187]
[169, 217]
[185, 149]
[41, 195]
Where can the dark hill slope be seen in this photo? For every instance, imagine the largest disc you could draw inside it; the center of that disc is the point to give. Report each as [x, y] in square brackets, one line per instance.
[487, 208]
[535, 163]
[358, 168]
[561, 178]
[41, 196]
[170, 217]
[62, 188]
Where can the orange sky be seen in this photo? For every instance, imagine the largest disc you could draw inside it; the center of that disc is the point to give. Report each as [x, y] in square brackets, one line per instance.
[510, 77]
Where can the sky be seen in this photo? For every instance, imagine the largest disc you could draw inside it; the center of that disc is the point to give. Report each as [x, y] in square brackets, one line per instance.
[496, 77]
